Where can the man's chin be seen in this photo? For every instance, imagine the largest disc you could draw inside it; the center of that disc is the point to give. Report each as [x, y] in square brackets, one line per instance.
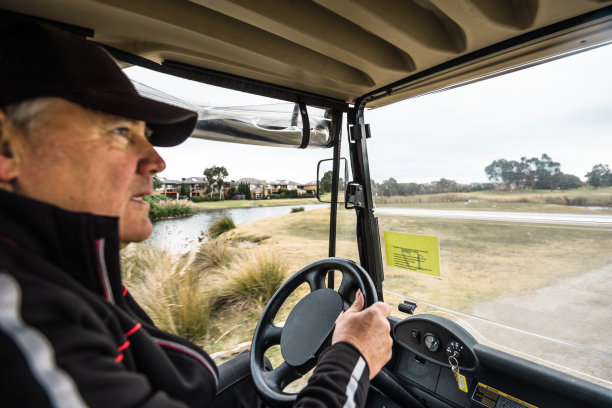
[134, 231]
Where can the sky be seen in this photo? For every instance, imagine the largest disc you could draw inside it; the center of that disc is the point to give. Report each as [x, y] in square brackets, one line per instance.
[562, 108]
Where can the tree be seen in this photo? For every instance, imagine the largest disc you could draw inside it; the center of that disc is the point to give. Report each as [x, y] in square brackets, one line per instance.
[215, 176]
[389, 187]
[542, 173]
[599, 176]
[446, 186]
[184, 190]
[567, 181]
[508, 171]
[325, 184]
[245, 190]
[157, 183]
[546, 170]
[410, 189]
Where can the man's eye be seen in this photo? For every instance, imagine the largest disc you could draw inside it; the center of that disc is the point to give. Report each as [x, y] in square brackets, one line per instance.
[122, 131]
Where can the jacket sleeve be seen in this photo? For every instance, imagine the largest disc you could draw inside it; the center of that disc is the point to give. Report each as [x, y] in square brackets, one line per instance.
[341, 379]
[53, 361]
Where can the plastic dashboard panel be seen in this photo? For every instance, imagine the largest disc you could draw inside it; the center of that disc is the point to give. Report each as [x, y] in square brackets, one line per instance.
[411, 334]
[428, 377]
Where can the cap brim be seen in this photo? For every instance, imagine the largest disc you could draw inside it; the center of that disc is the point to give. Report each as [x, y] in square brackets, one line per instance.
[170, 124]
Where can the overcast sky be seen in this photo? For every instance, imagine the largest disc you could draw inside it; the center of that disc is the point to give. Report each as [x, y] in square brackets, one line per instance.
[562, 108]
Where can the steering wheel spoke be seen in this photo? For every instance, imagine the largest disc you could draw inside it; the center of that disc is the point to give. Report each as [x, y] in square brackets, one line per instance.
[315, 279]
[271, 335]
[281, 376]
[348, 288]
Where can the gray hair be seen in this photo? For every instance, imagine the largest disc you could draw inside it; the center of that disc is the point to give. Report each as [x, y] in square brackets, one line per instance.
[21, 115]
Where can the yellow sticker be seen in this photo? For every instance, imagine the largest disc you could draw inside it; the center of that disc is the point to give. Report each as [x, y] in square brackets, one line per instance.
[461, 382]
[418, 253]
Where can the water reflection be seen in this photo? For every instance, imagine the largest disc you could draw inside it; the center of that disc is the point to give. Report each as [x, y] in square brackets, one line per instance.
[181, 235]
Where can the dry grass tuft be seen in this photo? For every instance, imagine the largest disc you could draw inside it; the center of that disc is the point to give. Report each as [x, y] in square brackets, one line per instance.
[172, 293]
[185, 294]
[220, 226]
[256, 239]
[253, 278]
[213, 253]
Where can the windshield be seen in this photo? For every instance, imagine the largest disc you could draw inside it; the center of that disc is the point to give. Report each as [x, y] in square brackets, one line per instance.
[511, 177]
[232, 222]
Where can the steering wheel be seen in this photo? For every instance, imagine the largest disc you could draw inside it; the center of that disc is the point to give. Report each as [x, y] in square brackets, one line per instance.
[308, 329]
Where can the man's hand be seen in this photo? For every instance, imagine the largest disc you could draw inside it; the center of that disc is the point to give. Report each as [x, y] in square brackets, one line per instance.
[368, 331]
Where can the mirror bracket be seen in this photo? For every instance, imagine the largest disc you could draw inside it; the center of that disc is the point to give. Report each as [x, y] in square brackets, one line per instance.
[354, 197]
[305, 124]
[355, 135]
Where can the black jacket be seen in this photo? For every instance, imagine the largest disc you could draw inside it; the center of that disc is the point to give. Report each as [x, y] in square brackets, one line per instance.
[71, 335]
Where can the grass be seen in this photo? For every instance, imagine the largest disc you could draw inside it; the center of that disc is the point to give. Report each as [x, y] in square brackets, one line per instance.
[220, 226]
[256, 203]
[190, 295]
[297, 209]
[253, 278]
[214, 253]
[169, 290]
[480, 260]
[564, 201]
[249, 238]
[170, 208]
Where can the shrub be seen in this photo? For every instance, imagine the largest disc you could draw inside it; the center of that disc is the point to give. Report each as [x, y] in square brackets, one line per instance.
[169, 208]
[253, 278]
[297, 209]
[287, 193]
[197, 199]
[171, 293]
[213, 253]
[220, 226]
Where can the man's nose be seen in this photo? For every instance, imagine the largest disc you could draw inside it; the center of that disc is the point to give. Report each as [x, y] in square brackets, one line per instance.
[151, 162]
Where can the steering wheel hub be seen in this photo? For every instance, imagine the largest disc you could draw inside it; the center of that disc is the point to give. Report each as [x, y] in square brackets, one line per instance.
[309, 326]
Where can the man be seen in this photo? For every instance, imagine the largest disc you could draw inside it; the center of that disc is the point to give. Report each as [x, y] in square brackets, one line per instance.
[76, 158]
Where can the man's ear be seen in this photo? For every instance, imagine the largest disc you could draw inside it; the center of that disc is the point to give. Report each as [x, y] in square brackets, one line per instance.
[9, 168]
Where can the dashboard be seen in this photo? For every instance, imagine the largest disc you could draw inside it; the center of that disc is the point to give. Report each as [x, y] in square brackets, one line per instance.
[437, 363]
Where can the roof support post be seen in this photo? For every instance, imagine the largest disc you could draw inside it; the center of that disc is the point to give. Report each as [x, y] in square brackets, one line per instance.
[368, 236]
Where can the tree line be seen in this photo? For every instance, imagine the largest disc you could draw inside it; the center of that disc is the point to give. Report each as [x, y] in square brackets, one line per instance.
[534, 173]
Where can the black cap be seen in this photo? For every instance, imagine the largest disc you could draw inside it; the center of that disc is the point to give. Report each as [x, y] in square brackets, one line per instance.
[41, 61]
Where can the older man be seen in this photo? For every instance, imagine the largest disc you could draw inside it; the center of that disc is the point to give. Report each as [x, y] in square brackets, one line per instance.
[76, 158]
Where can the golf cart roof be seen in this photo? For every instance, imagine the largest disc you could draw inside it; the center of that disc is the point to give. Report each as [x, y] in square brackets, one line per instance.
[338, 50]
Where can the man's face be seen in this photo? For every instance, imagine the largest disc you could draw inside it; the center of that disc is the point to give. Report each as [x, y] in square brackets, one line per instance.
[88, 161]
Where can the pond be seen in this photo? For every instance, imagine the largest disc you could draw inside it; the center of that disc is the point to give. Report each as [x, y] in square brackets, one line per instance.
[183, 234]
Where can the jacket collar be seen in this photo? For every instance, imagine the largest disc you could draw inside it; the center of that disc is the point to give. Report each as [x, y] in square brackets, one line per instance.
[83, 245]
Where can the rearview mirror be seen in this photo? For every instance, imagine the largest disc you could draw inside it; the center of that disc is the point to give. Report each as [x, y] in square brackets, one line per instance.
[325, 180]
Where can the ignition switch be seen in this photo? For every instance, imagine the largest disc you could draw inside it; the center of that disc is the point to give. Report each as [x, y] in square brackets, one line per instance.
[452, 347]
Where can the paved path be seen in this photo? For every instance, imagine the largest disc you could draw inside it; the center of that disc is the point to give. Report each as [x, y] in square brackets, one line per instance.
[602, 220]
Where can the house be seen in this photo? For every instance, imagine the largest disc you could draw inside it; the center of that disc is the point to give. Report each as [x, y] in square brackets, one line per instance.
[195, 187]
[170, 188]
[259, 188]
[308, 188]
[278, 185]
